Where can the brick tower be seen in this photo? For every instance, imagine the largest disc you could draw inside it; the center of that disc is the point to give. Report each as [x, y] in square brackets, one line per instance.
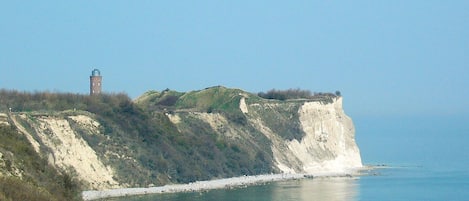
[95, 82]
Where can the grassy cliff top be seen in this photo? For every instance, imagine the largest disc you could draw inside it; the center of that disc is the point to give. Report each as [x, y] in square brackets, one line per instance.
[211, 98]
[222, 98]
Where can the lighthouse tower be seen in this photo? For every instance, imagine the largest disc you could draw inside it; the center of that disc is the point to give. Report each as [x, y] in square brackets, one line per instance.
[95, 82]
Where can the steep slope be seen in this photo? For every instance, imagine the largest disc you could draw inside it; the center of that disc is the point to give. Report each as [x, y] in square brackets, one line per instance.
[24, 175]
[303, 135]
[327, 143]
[109, 141]
[66, 149]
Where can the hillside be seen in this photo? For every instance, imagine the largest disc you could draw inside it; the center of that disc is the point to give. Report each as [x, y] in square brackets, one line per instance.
[110, 141]
[24, 175]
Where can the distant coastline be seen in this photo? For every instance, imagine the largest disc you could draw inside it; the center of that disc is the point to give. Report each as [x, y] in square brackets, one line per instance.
[212, 184]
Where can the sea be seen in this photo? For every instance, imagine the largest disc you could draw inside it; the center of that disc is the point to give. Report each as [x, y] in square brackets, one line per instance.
[415, 158]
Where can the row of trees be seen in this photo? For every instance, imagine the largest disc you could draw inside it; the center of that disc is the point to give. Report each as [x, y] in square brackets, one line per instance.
[47, 101]
[294, 94]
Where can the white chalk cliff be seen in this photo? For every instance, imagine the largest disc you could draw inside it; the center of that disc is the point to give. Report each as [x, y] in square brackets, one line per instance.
[327, 146]
[66, 149]
[322, 139]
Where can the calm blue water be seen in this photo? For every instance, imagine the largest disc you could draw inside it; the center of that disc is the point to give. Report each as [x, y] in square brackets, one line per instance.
[427, 158]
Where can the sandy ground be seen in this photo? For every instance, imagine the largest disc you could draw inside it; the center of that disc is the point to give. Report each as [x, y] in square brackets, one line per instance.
[204, 185]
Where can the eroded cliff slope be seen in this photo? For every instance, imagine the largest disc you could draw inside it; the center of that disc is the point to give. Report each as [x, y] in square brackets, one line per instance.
[302, 135]
[172, 137]
[328, 142]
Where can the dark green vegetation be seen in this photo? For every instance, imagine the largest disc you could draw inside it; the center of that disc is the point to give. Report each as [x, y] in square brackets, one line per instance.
[282, 118]
[298, 94]
[39, 180]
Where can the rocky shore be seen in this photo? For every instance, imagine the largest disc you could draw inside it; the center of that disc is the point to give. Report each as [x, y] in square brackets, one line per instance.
[203, 185]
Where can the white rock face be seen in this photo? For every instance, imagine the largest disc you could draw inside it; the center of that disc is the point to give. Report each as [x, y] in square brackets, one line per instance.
[329, 144]
[174, 118]
[87, 122]
[242, 105]
[4, 119]
[69, 151]
[327, 147]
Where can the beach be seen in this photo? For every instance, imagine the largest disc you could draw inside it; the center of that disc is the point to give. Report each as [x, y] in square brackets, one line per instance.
[206, 185]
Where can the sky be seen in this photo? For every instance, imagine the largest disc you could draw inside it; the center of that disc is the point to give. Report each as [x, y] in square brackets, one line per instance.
[386, 57]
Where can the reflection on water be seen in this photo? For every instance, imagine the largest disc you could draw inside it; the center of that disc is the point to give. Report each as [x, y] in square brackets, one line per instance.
[324, 189]
[327, 189]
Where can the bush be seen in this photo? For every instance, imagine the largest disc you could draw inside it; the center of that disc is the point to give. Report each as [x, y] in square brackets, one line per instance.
[285, 94]
[337, 93]
[169, 100]
[298, 94]
[12, 188]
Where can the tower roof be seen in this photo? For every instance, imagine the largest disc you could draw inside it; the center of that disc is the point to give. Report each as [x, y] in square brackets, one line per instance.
[95, 72]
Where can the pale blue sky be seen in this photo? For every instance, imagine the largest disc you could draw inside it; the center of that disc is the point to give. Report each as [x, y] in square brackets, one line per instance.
[386, 57]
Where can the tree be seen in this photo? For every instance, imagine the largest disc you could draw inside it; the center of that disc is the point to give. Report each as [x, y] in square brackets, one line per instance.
[337, 93]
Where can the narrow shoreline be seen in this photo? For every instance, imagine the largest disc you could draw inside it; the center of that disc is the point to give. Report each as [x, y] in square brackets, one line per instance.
[211, 184]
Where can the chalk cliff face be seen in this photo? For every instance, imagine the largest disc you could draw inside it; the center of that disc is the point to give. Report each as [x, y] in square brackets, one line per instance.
[219, 132]
[329, 144]
[328, 141]
[54, 138]
[305, 136]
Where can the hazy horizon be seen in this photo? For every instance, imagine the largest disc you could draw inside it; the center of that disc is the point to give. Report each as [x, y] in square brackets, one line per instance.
[387, 58]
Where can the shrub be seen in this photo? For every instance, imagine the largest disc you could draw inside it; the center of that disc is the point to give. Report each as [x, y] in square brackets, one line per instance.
[12, 188]
[337, 93]
[298, 94]
[285, 94]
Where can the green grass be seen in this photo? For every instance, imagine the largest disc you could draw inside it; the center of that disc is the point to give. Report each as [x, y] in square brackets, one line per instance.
[281, 117]
[211, 99]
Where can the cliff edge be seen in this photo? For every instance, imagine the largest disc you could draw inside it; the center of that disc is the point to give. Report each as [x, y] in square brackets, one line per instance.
[110, 141]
